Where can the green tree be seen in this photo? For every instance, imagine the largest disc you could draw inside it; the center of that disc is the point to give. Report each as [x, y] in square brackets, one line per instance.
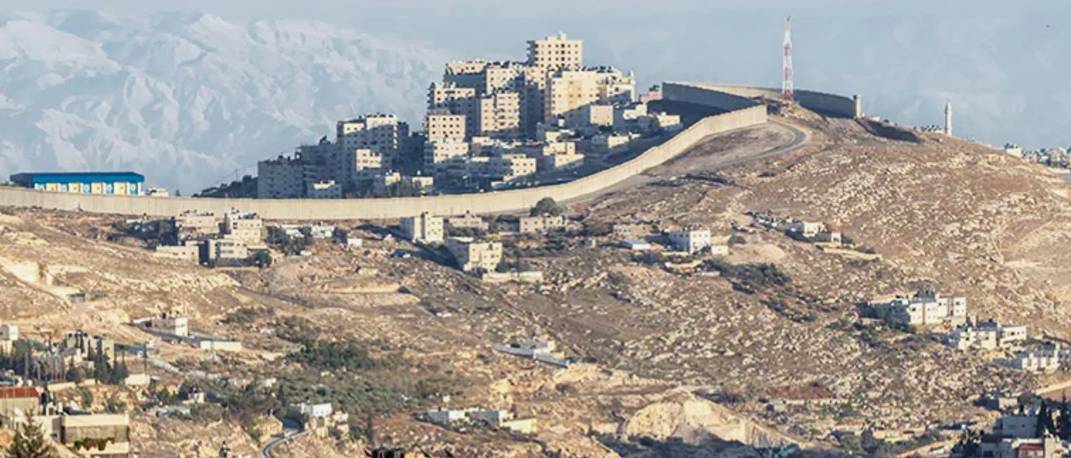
[1064, 426]
[30, 442]
[546, 206]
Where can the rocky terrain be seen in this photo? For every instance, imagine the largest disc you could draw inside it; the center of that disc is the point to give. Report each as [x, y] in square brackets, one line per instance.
[761, 348]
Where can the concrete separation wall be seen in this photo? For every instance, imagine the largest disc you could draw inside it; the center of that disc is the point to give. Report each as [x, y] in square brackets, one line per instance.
[821, 102]
[386, 208]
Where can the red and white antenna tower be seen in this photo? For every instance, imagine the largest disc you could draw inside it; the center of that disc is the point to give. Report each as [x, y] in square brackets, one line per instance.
[788, 90]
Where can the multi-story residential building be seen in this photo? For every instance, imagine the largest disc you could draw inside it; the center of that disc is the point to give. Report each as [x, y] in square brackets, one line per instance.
[474, 256]
[466, 221]
[382, 133]
[988, 335]
[225, 249]
[504, 168]
[244, 227]
[556, 53]
[442, 125]
[195, 224]
[457, 100]
[383, 182]
[9, 334]
[423, 228]
[592, 115]
[627, 116]
[925, 308]
[466, 73]
[611, 143]
[281, 178]
[1045, 360]
[440, 151]
[188, 251]
[499, 115]
[540, 224]
[569, 90]
[690, 240]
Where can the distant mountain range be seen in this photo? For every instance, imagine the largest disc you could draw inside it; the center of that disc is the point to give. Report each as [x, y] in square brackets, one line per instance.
[188, 100]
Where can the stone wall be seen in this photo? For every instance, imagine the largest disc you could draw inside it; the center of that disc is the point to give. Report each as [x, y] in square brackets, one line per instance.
[821, 102]
[388, 208]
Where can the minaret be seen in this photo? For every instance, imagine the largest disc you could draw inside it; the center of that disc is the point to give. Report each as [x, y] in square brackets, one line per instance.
[948, 117]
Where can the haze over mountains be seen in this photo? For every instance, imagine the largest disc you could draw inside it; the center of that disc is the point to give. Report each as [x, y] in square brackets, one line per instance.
[187, 99]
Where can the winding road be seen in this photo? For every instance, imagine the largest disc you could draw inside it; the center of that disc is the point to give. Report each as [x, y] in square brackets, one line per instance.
[290, 432]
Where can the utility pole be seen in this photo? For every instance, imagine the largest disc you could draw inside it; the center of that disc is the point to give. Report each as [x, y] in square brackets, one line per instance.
[788, 90]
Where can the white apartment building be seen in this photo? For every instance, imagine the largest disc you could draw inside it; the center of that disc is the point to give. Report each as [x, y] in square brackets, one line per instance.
[472, 256]
[189, 251]
[556, 53]
[439, 151]
[540, 224]
[323, 190]
[467, 221]
[611, 143]
[441, 125]
[690, 240]
[498, 115]
[667, 122]
[382, 182]
[925, 308]
[593, 115]
[627, 116]
[280, 178]
[457, 100]
[512, 166]
[9, 334]
[192, 223]
[569, 90]
[382, 133]
[466, 73]
[988, 335]
[1038, 361]
[423, 228]
[559, 161]
[246, 228]
[226, 249]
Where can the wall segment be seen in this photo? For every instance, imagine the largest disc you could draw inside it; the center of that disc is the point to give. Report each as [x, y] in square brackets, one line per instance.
[744, 113]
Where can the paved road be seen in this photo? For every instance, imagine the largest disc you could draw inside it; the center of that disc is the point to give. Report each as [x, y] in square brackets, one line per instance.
[290, 431]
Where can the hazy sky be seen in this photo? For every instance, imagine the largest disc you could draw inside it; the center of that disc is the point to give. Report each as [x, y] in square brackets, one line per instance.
[1002, 63]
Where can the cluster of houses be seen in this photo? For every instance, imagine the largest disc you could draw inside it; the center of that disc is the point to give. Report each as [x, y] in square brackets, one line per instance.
[1052, 157]
[924, 308]
[205, 238]
[172, 327]
[233, 239]
[476, 416]
[688, 240]
[928, 308]
[81, 432]
[472, 253]
[488, 125]
[1030, 429]
[320, 419]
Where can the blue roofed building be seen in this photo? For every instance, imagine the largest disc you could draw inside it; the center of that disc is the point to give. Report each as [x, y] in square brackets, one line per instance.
[113, 183]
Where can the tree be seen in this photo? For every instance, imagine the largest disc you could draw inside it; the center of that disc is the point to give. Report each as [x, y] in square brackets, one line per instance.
[1045, 423]
[546, 206]
[30, 442]
[262, 259]
[1064, 426]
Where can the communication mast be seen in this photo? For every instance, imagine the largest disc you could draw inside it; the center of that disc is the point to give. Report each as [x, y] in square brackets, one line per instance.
[788, 90]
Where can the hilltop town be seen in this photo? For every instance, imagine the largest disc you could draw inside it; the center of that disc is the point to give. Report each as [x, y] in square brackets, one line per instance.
[820, 282]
